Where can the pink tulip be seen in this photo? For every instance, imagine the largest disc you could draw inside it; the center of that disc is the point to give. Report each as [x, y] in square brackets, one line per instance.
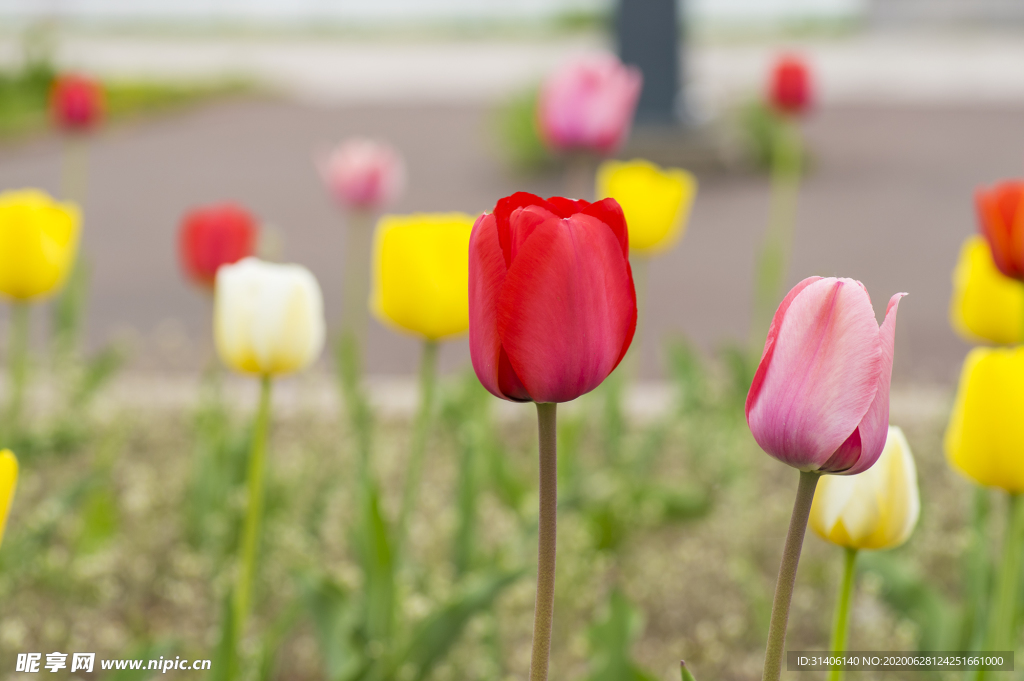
[820, 397]
[588, 104]
[363, 174]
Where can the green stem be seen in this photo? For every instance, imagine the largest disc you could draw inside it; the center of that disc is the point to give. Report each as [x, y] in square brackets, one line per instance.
[253, 516]
[773, 259]
[1003, 607]
[787, 576]
[358, 253]
[357, 407]
[842, 619]
[18, 365]
[579, 176]
[544, 609]
[75, 168]
[421, 433]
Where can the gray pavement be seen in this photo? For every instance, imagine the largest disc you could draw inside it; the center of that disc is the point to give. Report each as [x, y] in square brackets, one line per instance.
[889, 202]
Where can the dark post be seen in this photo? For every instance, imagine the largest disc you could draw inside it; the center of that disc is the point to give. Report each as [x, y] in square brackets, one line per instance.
[648, 34]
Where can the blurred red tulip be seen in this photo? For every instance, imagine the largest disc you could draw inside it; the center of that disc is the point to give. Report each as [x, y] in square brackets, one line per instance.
[1001, 221]
[552, 308]
[363, 174]
[790, 89]
[212, 236]
[76, 102]
[588, 104]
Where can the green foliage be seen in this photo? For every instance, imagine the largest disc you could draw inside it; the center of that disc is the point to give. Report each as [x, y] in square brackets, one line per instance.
[519, 136]
[611, 640]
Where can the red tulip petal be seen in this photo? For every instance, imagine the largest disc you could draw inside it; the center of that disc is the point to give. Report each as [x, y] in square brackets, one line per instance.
[508, 381]
[874, 428]
[502, 213]
[486, 275]
[610, 213]
[566, 208]
[522, 224]
[566, 308]
[821, 376]
[992, 227]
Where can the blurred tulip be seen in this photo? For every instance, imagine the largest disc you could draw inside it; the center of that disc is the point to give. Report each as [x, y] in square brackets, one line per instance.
[38, 243]
[876, 509]
[820, 398]
[1001, 221]
[212, 236]
[986, 305]
[420, 273]
[552, 308]
[363, 174]
[588, 104]
[8, 481]
[985, 436]
[656, 202]
[268, 318]
[790, 90]
[76, 102]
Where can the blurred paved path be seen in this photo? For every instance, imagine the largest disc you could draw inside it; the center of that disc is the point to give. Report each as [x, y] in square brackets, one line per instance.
[889, 202]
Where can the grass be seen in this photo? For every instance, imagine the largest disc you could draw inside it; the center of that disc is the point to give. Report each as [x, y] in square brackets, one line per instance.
[668, 544]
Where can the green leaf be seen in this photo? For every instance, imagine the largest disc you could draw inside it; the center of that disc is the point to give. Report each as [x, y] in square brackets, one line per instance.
[375, 544]
[685, 672]
[611, 641]
[334, 620]
[433, 638]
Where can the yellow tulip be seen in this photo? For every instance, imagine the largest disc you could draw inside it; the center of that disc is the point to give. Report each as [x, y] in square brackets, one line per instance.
[421, 273]
[985, 436]
[986, 305]
[38, 243]
[8, 481]
[656, 202]
[876, 509]
[268, 318]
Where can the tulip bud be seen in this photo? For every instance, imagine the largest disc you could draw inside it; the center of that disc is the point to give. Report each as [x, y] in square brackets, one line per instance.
[820, 397]
[986, 305]
[552, 307]
[8, 481]
[76, 102]
[588, 104]
[212, 236]
[38, 243]
[421, 273]
[656, 202]
[876, 509]
[985, 436]
[268, 318]
[1001, 221]
[790, 89]
[363, 174]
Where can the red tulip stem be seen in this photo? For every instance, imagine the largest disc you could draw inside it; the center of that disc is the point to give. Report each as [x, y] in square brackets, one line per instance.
[358, 247]
[787, 576]
[544, 609]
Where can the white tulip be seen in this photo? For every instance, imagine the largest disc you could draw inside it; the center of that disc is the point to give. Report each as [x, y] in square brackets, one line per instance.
[268, 318]
[876, 509]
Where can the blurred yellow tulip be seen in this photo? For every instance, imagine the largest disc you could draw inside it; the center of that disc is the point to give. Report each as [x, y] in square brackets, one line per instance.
[268, 318]
[656, 202]
[8, 481]
[421, 273]
[986, 305]
[985, 435]
[876, 509]
[38, 243]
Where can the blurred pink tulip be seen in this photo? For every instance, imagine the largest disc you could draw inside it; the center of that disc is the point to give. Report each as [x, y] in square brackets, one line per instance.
[588, 104]
[363, 174]
[820, 398]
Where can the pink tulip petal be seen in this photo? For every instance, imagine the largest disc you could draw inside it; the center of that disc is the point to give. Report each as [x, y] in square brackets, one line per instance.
[566, 308]
[486, 275]
[821, 374]
[874, 427]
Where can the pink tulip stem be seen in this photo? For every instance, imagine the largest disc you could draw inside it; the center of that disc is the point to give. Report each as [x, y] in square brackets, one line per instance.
[787, 576]
[579, 176]
[74, 171]
[544, 609]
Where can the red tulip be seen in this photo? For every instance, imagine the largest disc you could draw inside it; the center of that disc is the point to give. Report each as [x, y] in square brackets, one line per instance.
[213, 236]
[588, 104]
[76, 102]
[552, 308]
[1001, 218]
[820, 397]
[790, 90]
